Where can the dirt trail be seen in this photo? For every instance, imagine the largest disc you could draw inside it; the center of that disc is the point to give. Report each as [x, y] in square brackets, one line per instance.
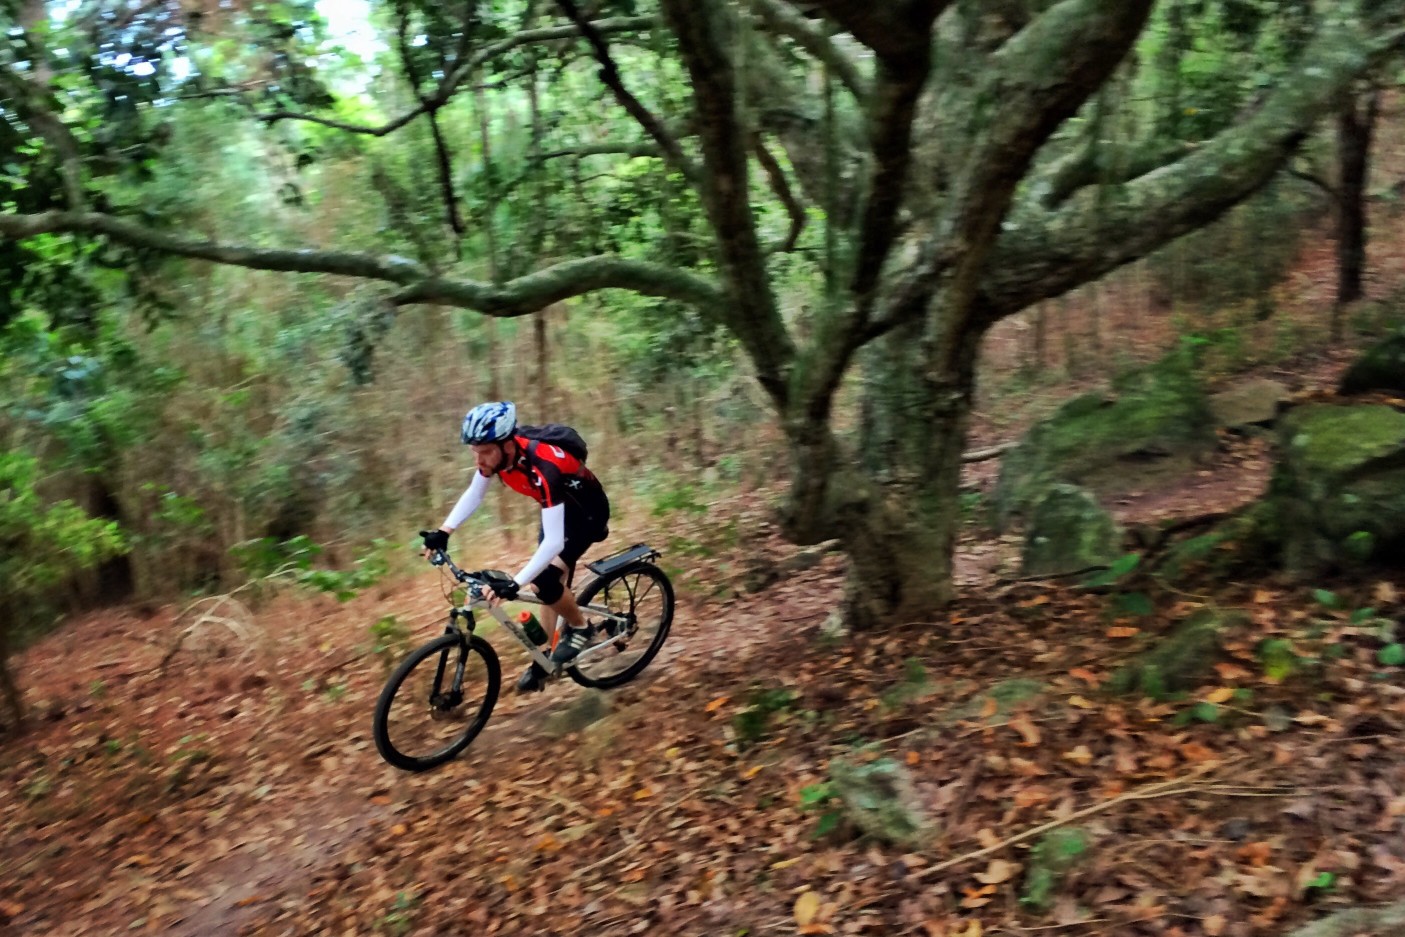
[281, 779]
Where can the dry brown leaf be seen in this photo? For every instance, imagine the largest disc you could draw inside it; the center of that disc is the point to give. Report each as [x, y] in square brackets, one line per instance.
[1079, 756]
[987, 838]
[913, 758]
[1086, 675]
[1385, 593]
[1228, 671]
[1214, 924]
[1029, 732]
[806, 907]
[1220, 695]
[1081, 703]
[717, 704]
[997, 872]
[990, 707]
[644, 793]
[1122, 631]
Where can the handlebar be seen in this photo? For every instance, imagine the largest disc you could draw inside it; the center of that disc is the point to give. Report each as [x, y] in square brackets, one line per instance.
[475, 581]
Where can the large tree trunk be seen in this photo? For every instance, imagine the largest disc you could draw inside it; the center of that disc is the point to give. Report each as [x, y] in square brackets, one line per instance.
[901, 535]
[1355, 126]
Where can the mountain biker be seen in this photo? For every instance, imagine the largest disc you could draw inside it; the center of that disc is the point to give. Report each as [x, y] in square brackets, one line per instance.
[575, 514]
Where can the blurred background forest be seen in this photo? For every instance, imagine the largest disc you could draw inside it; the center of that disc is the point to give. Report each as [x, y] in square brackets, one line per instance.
[171, 426]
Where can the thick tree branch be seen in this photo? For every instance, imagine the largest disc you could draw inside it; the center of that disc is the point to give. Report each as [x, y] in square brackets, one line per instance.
[610, 77]
[1023, 101]
[517, 297]
[752, 314]
[781, 186]
[781, 19]
[1044, 254]
[894, 30]
[461, 72]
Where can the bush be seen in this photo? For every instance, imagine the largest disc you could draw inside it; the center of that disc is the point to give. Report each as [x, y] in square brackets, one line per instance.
[41, 545]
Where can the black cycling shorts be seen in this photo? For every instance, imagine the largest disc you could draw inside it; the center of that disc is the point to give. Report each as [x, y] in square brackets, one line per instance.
[582, 530]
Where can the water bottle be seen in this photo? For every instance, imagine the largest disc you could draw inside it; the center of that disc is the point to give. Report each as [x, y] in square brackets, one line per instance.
[534, 629]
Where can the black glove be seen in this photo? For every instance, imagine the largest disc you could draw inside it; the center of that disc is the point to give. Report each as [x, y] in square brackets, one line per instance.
[503, 586]
[435, 539]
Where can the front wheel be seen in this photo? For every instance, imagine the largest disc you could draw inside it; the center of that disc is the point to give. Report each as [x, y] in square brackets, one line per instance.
[643, 595]
[436, 702]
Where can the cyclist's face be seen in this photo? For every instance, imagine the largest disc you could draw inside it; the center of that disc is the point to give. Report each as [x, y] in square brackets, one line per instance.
[488, 456]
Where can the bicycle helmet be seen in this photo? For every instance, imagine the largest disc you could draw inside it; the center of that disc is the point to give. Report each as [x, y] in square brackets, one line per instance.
[489, 422]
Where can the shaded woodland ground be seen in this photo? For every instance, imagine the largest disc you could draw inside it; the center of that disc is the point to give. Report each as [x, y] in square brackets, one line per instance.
[236, 789]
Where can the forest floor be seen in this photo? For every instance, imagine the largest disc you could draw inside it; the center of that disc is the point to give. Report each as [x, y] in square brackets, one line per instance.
[237, 790]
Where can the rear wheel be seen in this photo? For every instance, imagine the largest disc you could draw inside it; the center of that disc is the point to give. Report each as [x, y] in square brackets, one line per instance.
[643, 595]
[436, 702]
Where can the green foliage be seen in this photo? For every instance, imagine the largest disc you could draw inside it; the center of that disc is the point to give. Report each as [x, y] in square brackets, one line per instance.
[42, 543]
[1392, 655]
[824, 801]
[914, 684]
[367, 570]
[390, 638]
[400, 918]
[752, 723]
[1279, 658]
[1053, 856]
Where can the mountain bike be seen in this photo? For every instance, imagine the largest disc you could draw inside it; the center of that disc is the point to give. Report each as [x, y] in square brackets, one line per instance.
[439, 697]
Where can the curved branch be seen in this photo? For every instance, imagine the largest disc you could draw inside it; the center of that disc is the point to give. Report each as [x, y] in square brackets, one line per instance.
[1088, 39]
[454, 79]
[781, 19]
[1044, 254]
[781, 186]
[518, 297]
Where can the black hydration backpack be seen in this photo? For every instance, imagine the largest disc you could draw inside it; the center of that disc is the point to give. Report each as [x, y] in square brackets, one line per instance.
[560, 435]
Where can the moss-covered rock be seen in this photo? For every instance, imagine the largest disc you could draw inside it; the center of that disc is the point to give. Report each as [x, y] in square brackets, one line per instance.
[1380, 368]
[1252, 403]
[879, 799]
[1182, 660]
[1068, 530]
[1338, 491]
[1155, 420]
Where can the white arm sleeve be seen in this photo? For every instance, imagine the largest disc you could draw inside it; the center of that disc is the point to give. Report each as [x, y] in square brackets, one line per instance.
[468, 501]
[553, 539]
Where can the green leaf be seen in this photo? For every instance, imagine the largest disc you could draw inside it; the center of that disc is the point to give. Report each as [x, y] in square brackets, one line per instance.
[1323, 882]
[813, 794]
[1278, 658]
[1362, 615]
[1124, 564]
[1206, 712]
[829, 820]
[1327, 598]
[1392, 655]
[1133, 603]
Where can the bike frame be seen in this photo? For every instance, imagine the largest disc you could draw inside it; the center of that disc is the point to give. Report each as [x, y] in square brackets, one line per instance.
[476, 601]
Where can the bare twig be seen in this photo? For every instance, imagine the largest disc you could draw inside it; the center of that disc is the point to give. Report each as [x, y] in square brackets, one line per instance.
[1171, 788]
[610, 77]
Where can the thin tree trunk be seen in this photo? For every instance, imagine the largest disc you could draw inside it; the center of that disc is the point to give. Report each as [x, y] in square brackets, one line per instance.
[1355, 126]
[495, 389]
[9, 690]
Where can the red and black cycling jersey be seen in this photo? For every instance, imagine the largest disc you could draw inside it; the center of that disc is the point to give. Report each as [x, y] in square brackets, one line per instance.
[550, 476]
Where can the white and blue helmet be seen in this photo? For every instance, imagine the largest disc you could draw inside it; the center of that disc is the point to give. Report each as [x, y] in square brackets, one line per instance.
[489, 422]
